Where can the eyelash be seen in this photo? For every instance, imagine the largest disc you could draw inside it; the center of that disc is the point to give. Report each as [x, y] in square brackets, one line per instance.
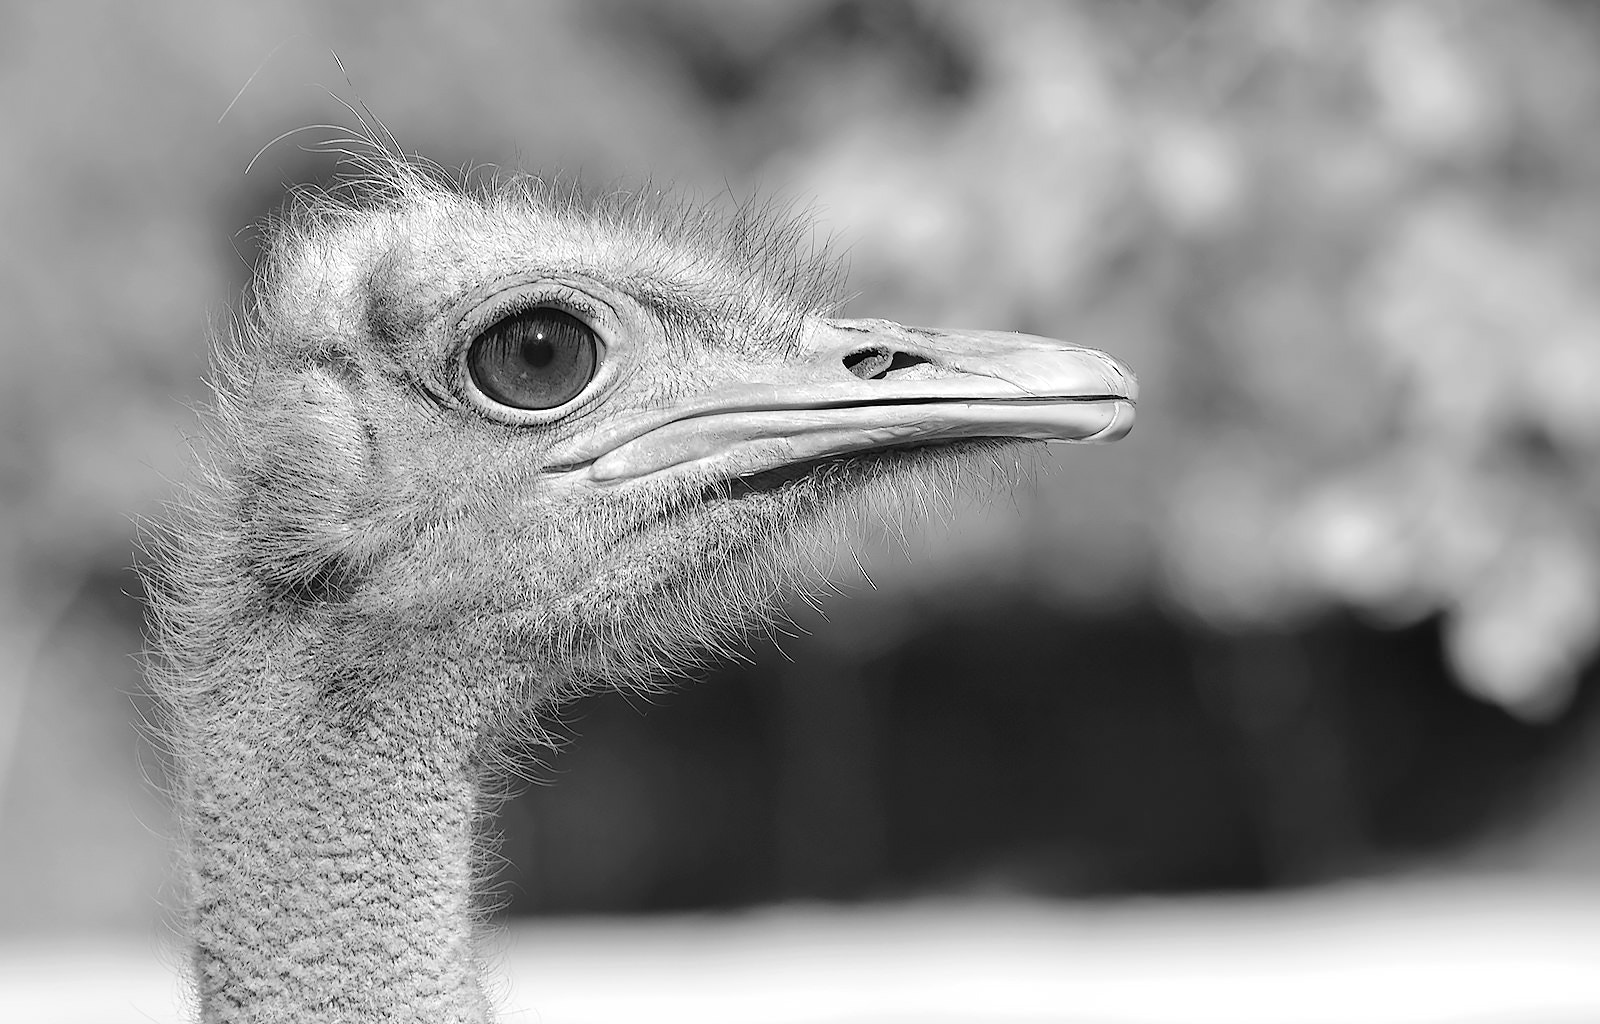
[577, 307]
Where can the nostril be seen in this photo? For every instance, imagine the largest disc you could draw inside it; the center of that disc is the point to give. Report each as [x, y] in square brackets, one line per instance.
[877, 363]
[868, 363]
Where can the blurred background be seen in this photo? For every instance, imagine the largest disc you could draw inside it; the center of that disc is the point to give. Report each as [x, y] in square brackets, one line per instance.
[1331, 613]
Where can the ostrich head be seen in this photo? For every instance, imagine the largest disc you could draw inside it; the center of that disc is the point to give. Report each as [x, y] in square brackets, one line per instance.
[476, 448]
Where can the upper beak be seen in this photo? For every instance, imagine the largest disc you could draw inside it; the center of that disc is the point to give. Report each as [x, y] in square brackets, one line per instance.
[866, 385]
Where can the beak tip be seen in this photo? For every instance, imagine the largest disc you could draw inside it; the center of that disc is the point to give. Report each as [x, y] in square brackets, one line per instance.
[1122, 416]
[1122, 380]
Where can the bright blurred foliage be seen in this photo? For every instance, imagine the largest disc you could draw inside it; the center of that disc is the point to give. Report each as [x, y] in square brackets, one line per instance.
[1351, 248]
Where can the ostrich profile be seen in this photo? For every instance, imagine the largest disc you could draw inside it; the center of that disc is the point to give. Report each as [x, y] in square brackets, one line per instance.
[475, 448]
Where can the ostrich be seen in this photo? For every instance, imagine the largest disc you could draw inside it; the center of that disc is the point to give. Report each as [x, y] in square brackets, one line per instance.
[476, 447]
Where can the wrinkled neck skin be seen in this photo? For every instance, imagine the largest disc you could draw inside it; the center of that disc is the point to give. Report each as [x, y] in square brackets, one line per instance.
[330, 829]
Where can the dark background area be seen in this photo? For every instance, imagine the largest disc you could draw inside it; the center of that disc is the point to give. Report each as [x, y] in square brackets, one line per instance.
[1004, 749]
[1330, 612]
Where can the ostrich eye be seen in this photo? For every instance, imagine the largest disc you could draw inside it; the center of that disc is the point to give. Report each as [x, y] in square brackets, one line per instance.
[538, 359]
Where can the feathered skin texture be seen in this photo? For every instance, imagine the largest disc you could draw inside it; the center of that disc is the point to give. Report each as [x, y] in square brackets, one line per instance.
[370, 592]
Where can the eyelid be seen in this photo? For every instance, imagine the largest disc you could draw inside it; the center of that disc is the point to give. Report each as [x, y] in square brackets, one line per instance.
[517, 299]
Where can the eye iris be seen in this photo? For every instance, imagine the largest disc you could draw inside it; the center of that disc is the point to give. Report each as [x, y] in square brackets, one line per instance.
[537, 359]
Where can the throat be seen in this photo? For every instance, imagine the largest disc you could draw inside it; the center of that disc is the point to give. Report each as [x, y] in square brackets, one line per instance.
[331, 868]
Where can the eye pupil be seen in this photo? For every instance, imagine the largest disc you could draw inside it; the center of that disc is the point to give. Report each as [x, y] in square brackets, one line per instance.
[538, 353]
[539, 358]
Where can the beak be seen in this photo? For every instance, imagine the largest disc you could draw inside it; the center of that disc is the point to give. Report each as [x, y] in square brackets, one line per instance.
[867, 385]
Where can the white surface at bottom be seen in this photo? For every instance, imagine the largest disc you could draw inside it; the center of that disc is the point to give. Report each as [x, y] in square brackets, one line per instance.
[1477, 952]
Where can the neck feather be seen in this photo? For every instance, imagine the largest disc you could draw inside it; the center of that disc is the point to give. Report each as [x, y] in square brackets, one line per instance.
[331, 851]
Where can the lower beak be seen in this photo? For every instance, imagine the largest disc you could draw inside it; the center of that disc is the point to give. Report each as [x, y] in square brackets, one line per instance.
[868, 385]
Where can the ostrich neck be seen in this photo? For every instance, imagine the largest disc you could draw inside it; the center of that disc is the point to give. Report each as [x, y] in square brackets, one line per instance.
[331, 853]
